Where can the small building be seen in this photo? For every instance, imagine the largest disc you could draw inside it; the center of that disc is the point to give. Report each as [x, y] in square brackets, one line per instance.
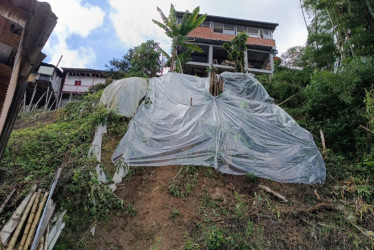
[25, 27]
[217, 30]
[78, 81]
[43, 88]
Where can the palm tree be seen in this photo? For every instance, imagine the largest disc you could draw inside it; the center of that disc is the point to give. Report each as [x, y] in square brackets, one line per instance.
[178, 34]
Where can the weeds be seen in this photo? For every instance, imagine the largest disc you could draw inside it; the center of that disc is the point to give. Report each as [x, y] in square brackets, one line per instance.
[184, 182]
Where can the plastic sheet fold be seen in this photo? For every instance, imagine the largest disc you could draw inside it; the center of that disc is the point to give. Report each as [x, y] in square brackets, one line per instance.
[239, 132]
[124, 95]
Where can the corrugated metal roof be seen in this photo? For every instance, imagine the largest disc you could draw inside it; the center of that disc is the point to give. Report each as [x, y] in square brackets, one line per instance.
[230, 20]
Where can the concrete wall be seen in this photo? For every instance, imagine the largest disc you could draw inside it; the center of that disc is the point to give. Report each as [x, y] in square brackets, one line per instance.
[86, 83]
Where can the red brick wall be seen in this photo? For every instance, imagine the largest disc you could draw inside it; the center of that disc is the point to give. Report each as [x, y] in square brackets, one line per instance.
[207, 33]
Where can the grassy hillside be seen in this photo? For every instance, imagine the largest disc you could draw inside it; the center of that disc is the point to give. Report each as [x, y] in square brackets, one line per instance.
[187, 207]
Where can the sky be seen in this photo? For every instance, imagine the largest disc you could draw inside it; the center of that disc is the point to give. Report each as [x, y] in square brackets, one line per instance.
[89, 33]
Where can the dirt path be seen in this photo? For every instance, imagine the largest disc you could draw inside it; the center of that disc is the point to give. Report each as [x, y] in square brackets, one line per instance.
[161, 220]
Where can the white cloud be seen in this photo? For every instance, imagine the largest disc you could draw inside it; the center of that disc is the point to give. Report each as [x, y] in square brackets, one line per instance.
[74, 18]
[133, 24]
[133, 20]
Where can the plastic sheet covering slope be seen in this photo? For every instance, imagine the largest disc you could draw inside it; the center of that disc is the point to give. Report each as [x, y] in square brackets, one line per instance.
[124, 95]
[238, 132]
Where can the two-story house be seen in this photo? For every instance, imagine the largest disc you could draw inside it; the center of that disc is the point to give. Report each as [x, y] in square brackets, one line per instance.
[217, 30]
[78, 81]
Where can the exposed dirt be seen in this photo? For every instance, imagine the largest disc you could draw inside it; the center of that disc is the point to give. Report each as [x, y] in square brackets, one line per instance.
[163, 221]
[43, 118]
[153, 223]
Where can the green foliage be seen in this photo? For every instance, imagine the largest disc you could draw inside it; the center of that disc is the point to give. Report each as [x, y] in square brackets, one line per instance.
[141, 61]
[341, 27]
[34, 153]
[90, 195]
[335, 104]
[369, 103]
[178, 33]
[236, 51]
[183, 185]
[217, 240]
[241, 209]
[175, 213]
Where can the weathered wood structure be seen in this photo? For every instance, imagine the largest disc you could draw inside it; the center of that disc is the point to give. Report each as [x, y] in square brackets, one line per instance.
[217, 30]
[43, 88]
[25, 26]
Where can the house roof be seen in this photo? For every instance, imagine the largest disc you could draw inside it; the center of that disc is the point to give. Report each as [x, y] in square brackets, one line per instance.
[59, 71]
[84, 72]
[208, 34]
[229, 20]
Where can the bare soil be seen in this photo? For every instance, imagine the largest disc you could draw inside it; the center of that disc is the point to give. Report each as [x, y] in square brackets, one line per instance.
[43, 118]
[156, 224]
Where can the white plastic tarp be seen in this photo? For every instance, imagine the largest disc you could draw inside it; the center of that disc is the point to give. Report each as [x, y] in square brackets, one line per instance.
[124, 95]
[238, 132]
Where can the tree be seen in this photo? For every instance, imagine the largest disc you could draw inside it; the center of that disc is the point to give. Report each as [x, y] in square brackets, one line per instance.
[292, 58]
[347, 25]
[236, 51]
[118, 68]
[146, 59]
[143, 60]
[178, 33]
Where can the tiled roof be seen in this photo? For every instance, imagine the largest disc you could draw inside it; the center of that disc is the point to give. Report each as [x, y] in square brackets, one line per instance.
[207, 33]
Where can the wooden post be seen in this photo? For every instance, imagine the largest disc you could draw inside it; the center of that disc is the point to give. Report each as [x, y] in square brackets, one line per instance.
[36, 104]
[59, 102]
[32, 97]
[49, 99]
[46, 98]
[50, 107]
[323, 141]
[24, 101]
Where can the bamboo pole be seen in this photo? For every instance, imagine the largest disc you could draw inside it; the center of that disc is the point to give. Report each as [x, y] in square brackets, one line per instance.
[7, 200]
[16, 217]
[29, 221]
[14, 238]
[41, 244]
[35, 222]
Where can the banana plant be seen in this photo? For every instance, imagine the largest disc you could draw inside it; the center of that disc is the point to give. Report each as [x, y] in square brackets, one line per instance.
[178, 33]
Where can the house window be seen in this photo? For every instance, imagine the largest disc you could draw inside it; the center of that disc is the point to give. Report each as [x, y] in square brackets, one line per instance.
[205, 24]
[229, 29]
[266, 34]
[240, 28]
[251, 31]
[78, 83]
[218, 27]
